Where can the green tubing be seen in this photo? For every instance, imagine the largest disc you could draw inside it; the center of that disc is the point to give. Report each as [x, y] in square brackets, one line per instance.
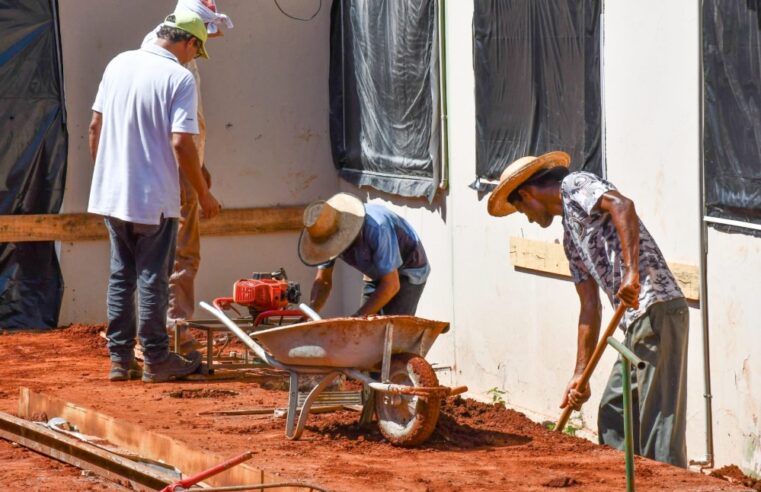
[626, 353]
[628, 430]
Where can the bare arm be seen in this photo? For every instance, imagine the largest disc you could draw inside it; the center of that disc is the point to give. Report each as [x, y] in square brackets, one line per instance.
[187, 157]
[321, 287]
[388, 287]
[625, 219]
[93, 135]
[588, 332]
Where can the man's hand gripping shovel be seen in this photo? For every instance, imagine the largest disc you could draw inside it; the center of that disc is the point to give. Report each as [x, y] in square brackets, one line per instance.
[584, 379]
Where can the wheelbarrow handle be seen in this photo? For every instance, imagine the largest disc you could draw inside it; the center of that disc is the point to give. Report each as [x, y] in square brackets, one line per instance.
[592, 364]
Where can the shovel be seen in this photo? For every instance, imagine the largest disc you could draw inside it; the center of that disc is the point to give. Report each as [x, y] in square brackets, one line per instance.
[601, 344]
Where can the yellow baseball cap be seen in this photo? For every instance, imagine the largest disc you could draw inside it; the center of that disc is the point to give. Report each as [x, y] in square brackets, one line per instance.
[192, 23]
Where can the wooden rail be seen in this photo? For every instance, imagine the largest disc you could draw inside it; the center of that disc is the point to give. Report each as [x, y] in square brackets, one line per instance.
[548, 257]
[148, 444]
[89, 227]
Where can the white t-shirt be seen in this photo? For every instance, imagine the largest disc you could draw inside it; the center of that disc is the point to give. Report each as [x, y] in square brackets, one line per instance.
[145, 96]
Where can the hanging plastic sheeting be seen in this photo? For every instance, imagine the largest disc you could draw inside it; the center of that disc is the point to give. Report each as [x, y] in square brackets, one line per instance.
[384, 95]
[732, 104]
[33, 147]
[537, 68]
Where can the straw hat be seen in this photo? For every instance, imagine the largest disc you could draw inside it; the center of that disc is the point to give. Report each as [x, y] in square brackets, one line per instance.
[330, 227]
[516, 174]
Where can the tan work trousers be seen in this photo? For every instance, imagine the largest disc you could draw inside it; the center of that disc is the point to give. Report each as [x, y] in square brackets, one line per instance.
[188, 252]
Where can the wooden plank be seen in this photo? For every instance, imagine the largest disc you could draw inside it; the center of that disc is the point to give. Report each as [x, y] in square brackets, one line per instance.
[89, 227]
[148, 444]
[81, 454]
[549, 257]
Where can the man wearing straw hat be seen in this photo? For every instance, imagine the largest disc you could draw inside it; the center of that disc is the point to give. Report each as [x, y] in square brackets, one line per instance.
[372, 239]
[608, 246]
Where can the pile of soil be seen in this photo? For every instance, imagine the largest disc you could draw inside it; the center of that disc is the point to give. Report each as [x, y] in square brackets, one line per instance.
[476, 446]
[733, 474]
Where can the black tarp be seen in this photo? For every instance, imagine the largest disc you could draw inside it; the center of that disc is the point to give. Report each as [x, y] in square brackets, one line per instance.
[33, 146]
[384, 94]
[537, 69]
[732, 105]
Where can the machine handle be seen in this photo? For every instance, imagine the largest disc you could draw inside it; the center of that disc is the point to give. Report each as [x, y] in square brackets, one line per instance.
[309, 312]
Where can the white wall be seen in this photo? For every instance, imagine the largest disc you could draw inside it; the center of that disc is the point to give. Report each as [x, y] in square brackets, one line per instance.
[734, 270]
[265, 90]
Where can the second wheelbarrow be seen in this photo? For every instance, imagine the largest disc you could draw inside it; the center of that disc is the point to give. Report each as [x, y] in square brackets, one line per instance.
[407, 396]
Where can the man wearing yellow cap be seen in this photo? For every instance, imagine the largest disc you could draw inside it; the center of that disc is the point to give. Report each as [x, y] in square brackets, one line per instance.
[144, 117]
[608, 247]
[188, 249]
[372, 239]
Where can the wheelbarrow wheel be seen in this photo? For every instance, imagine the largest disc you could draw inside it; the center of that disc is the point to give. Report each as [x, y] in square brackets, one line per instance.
[408, 420]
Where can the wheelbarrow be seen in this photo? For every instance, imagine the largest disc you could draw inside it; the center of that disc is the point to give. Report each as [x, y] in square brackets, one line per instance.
[407, 398]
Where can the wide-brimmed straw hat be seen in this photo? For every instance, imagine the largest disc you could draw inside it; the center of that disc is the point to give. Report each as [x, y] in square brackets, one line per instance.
[330, 227]
[516, 174]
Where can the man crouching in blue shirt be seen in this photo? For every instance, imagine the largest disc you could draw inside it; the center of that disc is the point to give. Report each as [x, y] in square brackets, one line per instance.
[372, 239]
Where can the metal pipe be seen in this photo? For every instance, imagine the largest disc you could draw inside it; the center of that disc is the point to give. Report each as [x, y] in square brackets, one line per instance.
[309, 312]
[215, 470]
[400, 389]
[626, 376]
[734, 223]
[444, 181]
[708, 461]
[626, 353]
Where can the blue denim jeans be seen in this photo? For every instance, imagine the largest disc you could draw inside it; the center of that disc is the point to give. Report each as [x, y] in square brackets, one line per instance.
[404, 302]
[141, 259]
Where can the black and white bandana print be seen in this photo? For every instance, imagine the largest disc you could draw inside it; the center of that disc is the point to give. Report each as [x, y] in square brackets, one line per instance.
[593, 247]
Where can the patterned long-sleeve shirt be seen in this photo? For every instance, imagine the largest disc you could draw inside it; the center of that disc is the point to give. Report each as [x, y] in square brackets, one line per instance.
[593, 246]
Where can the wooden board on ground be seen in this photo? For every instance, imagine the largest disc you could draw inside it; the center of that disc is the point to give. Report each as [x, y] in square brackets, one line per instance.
[89, 227]
[148, 444]
[81, 454]
[548, 257]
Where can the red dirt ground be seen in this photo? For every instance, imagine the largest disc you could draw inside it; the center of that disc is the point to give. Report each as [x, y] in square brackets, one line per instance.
[476, 446]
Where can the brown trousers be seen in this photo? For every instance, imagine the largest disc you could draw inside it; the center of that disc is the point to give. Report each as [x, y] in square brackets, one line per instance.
[188, 252]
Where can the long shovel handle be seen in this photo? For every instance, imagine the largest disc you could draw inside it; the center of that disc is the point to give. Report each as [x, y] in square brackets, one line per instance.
[601, 344]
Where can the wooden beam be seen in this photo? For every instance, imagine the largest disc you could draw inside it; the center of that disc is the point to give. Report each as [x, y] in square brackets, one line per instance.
[146, 443]
[81, 454]
[89, 227]
[548, 257]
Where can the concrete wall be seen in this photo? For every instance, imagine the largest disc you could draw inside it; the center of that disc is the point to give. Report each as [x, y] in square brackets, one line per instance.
[265, 90]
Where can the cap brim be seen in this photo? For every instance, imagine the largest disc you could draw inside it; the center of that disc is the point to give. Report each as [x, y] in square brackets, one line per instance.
[498, 206]
[202, 51]
[351, 211]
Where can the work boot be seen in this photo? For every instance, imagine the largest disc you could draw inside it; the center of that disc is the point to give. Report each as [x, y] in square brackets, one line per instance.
[174, 366]
[123, 371]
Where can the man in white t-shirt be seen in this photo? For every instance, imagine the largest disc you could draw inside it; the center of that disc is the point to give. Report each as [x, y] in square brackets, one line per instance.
[187, 256]
[144, 119]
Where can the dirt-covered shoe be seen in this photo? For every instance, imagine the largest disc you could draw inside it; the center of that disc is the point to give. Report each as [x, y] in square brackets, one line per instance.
[174, 366]
[123, 371]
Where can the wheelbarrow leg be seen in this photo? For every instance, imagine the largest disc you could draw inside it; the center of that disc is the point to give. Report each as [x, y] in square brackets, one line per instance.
[368, 407]
[293, 402]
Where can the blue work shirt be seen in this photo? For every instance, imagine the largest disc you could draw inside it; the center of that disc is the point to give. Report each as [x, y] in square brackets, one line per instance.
[386, 243]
